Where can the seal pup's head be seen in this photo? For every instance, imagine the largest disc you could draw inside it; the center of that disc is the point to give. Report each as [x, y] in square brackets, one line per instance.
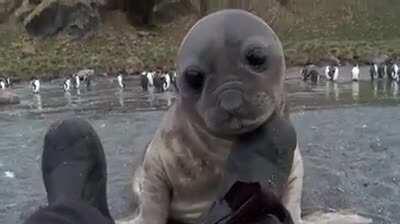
[230, 73]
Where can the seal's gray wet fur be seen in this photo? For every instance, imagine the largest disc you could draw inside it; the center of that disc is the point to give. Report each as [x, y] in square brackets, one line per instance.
[230, 78]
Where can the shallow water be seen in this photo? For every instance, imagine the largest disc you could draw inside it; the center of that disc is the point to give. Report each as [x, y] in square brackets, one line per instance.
[348, 132]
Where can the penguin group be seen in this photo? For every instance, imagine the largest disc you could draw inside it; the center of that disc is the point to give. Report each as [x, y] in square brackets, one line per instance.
[161, 80]
[332, 72]
[77, 79]
[388, 69]
[5, 82]
[310, 71]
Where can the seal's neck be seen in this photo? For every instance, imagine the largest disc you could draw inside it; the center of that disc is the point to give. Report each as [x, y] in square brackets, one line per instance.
[201, 141]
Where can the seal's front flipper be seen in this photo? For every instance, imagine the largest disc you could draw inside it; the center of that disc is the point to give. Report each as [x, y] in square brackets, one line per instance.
[248, 203]
[263, 156]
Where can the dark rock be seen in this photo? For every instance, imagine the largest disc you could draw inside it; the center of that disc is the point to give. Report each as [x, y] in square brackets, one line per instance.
[8, 97]
[75, 17]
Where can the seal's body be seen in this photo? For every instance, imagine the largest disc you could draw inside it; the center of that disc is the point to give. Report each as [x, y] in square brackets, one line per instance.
[231, 71]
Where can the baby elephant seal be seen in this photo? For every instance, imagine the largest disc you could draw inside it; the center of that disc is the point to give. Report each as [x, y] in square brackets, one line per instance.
[230, 77]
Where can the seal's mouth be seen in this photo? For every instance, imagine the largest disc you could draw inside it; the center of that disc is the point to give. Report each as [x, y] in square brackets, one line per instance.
[232, 125]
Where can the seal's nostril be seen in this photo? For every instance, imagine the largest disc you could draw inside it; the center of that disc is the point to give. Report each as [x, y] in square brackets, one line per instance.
[231, 100]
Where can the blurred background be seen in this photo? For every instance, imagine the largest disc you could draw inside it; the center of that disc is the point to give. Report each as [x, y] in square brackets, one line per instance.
[49, 37]
[349, 131]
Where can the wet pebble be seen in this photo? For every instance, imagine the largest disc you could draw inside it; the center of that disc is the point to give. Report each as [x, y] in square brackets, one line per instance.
[377, 147]
[9, 174]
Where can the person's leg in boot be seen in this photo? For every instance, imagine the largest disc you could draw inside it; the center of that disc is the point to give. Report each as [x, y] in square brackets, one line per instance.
[74, 174]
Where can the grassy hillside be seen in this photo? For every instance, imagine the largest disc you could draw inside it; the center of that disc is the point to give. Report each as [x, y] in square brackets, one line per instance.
[309, 29]
[348, 29]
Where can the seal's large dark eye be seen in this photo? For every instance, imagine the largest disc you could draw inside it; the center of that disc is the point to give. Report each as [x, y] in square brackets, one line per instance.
[256, 57]
[195, 78]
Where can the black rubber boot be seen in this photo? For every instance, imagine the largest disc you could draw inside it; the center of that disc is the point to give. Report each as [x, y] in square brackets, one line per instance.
[74, 166]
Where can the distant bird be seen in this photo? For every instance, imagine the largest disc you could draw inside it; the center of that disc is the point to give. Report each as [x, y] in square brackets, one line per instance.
[88, 81]
[382, 70]
[144, 81]
[327, 71]
[7, 81]
[67, 85]
[310, 72]
[395, 73]
[355, 73]
[35, 86]
[120, 80]
[173, 80]
[167, 81]
[150, 77]
[77, 81]
[85, 75]
[159, 82]
[373, 71]
[2, 84]
[335, 73]
[332, 72]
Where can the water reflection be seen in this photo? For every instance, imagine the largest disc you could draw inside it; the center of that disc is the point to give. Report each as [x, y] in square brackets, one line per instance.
[355, 87]
[395, 88]
[385, 88]
[68, 97]
[120, 96]
[37, 101]
[375, 88]
[106, 96]
[306, 95]
[332, 90]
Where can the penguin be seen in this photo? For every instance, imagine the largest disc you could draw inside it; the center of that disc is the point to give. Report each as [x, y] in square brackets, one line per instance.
[335, 73]
[327, 72]
[381, 70]
[144, 81]
[305, 73]
[88, 81]
[8, 82]
[159, 82]
[173, 80]
[310, 72]
[395, 72]
[332, 72]
[355, 73]
[373, 71]
[2, 84]
[167, 82]
[77, 81]
[120, 80]
[35, 86]
[150, 77]
[67, 85]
